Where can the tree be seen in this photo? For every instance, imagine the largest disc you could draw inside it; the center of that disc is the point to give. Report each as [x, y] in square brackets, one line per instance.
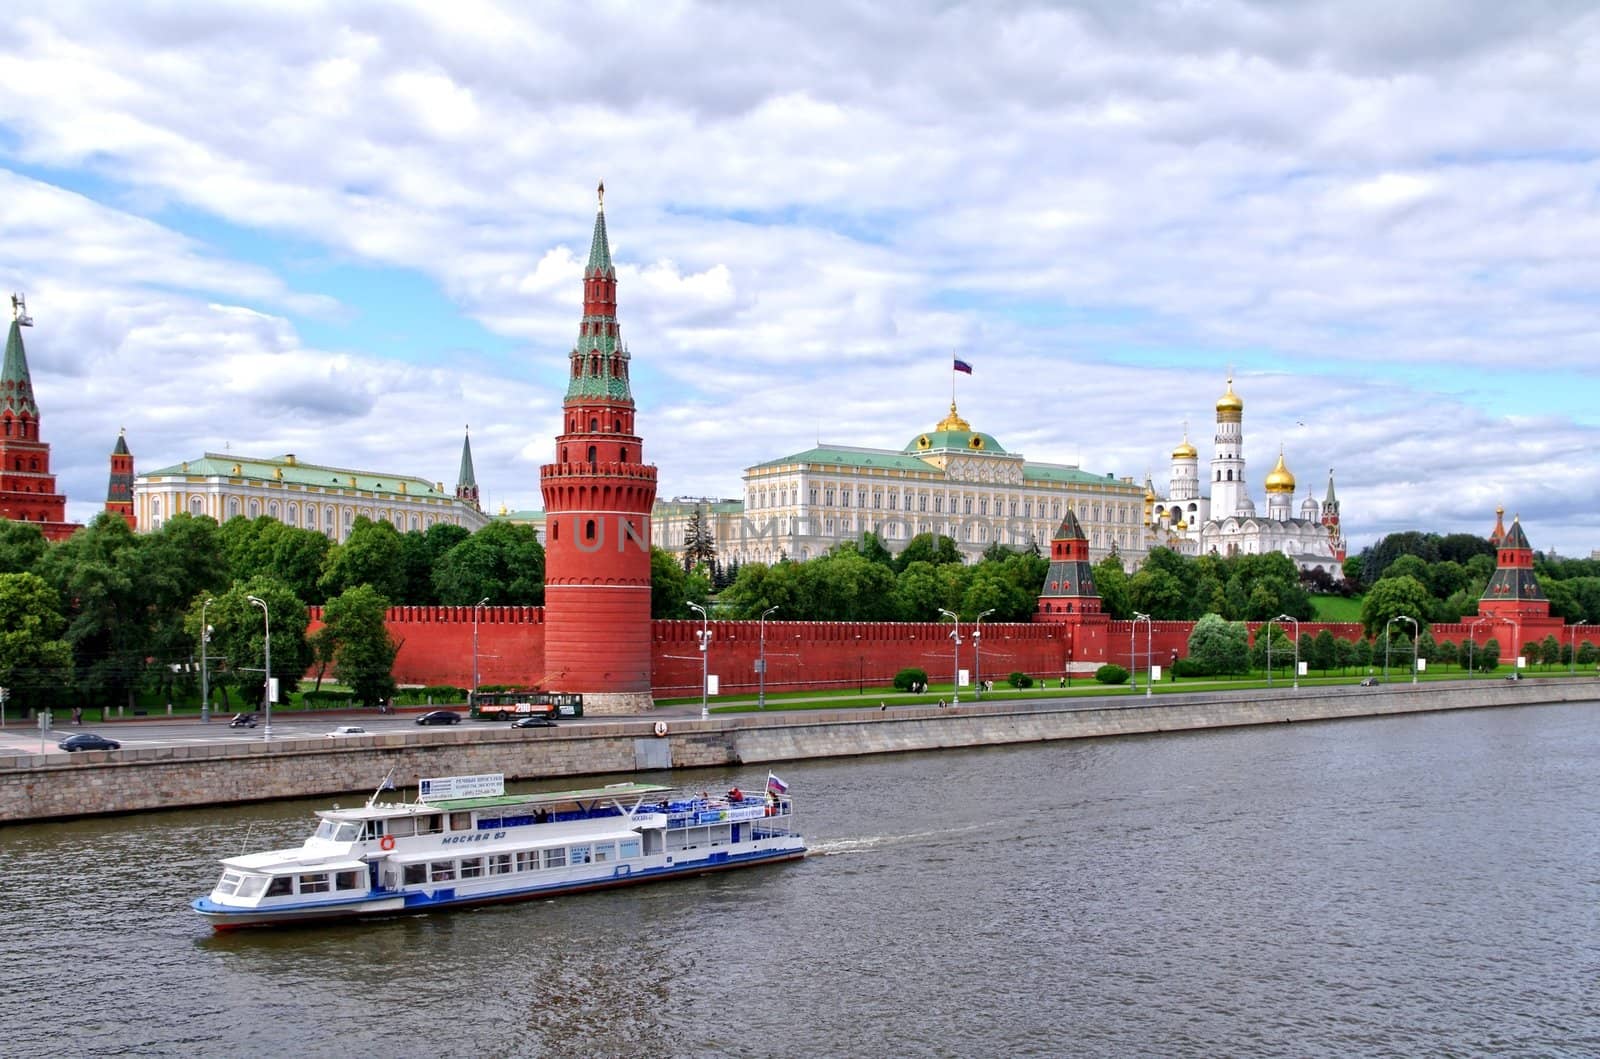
[238, 640]
[1487, 657]
[1324, 655]
[668, 588]
[699, 545]
[503, 561]
[22, 545]
[370, 555]
[359, 643]
[1219, 646]
[1392, 597]
[1158, 593]
[35, 663]
[1111, 580]
[928, 548]
[1549, 650]
[1282, 648]
[93, 573]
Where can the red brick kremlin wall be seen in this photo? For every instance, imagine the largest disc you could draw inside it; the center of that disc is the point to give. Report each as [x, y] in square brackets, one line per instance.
[436, 648]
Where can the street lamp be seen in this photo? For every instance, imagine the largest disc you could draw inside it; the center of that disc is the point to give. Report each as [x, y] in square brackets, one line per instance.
[1572, 658]
[1285, 617]
[977, 658]
[1133, 659]
[1472, 633]
[205, 682]
[861, 668]
[1414, 634]
[761, 663]
[955, 681]
[475, 608]
[705, 657]
[266, 692]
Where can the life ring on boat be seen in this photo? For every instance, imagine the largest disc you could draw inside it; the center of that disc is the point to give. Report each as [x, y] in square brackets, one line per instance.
[661, 728]
[386, 842]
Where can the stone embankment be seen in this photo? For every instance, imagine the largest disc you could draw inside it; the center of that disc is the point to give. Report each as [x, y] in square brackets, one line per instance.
[35, 787]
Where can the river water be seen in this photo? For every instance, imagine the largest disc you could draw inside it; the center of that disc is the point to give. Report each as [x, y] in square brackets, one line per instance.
[1422, 885]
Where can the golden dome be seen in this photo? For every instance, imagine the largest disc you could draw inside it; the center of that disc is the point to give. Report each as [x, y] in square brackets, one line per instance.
[1279, 480]
[953, 421]
[1185, 451]
[1230, 402]
[1182, 525]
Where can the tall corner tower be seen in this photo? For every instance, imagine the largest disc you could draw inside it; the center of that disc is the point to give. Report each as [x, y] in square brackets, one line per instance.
[1070, 600]
[466, 477]
[597, 499]
[119, 493]
[1227, 462]
[27, 488]
[1513, 593]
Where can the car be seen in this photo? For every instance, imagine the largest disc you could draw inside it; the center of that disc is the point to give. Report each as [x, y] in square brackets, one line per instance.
[347, 729]
[1369, 682]
[243, 720]
[88, 741]
[440, 717]
[533, 720]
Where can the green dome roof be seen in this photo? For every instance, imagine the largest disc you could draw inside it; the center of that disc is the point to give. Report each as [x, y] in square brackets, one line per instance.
[953, 432]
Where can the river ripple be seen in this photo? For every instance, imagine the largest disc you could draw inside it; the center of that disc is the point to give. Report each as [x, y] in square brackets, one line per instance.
[1421, 885]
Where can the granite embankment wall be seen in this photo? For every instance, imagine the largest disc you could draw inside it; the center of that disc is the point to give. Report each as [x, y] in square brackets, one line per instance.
[34, 787]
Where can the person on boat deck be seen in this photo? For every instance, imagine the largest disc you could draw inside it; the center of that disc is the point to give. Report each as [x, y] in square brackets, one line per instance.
[735, 795]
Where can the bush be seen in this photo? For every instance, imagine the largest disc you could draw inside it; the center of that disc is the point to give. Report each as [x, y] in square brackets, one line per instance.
[1020, 680]
[1109, 674]
[1188, 667]
[904, 679]
[325, 700]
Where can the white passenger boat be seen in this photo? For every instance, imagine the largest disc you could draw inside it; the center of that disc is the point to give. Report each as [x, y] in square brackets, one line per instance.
[463, 841]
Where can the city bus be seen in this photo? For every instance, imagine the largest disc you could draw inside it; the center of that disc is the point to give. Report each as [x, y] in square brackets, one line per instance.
[509, 705]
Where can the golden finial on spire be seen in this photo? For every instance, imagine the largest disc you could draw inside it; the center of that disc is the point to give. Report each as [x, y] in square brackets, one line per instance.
[602, 192]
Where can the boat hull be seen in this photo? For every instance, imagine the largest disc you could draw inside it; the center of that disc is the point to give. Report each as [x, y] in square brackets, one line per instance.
[226, 917]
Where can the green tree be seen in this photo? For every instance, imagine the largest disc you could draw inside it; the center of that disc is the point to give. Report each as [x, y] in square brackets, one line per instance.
[1111, 580]
[1158, 593]
[93, 572]
[1391, 597]
[370, 555]
[359, 643]
[936, 549]
[1323, 654]
[1344, 654]
[1282, 654]
[35, 663]
[22, 545]
[1549, 650]
[1448, 653]
[238, 639]
[1218, 646]
[503, 561]
[668, 587]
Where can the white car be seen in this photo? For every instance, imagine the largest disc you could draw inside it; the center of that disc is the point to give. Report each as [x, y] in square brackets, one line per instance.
[347, 729]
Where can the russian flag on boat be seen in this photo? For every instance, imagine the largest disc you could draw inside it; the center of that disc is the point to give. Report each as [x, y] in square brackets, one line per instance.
[775, 785]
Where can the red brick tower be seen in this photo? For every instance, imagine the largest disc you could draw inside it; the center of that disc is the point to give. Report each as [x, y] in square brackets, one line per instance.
[119, 494]
[1070, 599]
[597, 498]
[1513, 594]
[27, 488]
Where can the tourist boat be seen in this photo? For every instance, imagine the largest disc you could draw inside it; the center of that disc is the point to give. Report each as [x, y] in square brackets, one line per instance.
[464, 841]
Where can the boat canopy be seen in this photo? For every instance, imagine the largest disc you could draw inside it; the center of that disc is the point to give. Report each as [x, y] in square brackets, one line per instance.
[595, 794]
[549, 841]
[285, 862]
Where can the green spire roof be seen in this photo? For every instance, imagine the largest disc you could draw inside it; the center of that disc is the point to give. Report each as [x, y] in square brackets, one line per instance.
[16, 388]
[122, 445]
[465, 477]
[600, 246]
[1515, 538]
[1071, 529]
[1331, 500]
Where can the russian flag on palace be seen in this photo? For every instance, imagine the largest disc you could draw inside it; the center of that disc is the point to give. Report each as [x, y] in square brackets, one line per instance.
[775, 785]
[963, 367]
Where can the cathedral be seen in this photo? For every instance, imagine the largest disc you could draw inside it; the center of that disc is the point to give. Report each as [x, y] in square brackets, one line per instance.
[1226, 522]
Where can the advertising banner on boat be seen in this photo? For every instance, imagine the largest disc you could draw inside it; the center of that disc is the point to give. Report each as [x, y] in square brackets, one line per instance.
[489, 785]
[715, 816]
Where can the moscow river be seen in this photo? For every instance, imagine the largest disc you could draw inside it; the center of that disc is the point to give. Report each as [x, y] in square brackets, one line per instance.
[1422, 885]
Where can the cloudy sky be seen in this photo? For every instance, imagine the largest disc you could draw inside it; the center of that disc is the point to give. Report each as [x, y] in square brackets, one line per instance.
[347, 231]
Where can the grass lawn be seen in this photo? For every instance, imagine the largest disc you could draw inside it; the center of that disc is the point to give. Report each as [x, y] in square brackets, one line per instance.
[1337, 608]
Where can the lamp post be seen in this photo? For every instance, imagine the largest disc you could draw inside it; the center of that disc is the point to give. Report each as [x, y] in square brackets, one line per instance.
[977, 658]
[705, 657]
[955, 674]
[1133, 659]
[205, 682]
[1285, 617]
[475, 608]
[1472, 633]
[1414, 635]
[1572, 656]
[266, 692]
[761, 663]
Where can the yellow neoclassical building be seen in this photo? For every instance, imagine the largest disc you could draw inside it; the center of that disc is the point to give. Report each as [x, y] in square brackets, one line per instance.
[952, 480]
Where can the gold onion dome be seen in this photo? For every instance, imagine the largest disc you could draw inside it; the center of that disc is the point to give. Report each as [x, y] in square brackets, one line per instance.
[1185, 451]
[1230, 402]
[953, 421]
[1279, 480]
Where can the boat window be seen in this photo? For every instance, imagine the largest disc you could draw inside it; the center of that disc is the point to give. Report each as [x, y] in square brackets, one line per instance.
[461, 821]
[471, 867]
[442, 870]
[372, 829]
[348, 880]
[604, 851]
[528, 860]
[252, 886]
[431, 824]
[415, 874]
[500, 864]
[281, 885]
[229, 884]
[555, 858]
[315, 883]
[629, 847]
[342, 831]
[402, 827]
[325, 829]
[581, 855]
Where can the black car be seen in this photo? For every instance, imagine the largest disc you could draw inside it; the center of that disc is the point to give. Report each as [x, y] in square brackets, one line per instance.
[243, 720]
[536, 720]
[440, 717]
[88, 741]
